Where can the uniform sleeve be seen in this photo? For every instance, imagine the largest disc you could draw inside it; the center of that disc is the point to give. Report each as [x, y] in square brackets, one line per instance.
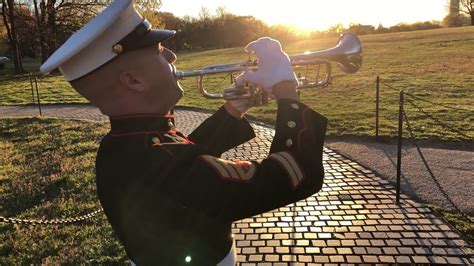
[233, 190]
[221, 132]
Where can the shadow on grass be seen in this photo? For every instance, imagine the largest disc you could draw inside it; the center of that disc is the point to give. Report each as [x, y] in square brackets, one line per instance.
[43, 164]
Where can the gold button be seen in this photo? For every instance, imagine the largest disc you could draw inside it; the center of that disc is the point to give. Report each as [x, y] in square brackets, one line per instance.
[155, 140]
[170, 123]
[291, 124]
[295, 106]
[289, 142]
[118, 49]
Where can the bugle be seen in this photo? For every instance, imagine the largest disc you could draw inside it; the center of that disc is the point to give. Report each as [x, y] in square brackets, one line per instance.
[347, 54]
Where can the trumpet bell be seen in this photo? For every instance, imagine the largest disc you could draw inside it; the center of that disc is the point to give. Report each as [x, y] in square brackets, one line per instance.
[347, 54]
[349, 49]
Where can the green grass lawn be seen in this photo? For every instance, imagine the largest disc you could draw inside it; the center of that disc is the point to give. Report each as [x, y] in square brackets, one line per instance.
[47, 171]
[434, 65]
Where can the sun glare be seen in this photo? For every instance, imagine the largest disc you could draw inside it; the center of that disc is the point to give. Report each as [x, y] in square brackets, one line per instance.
[321, 15]
[309, 15]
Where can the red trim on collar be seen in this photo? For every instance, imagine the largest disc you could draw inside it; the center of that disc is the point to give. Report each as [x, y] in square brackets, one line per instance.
[305, 127]
[174, 132]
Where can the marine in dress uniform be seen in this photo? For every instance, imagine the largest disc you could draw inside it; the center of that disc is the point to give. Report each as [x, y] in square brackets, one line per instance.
[169, 197]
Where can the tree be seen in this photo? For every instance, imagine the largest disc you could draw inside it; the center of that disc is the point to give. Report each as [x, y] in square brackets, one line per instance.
[4, 47]
[467, 7]
[360, 29]
[56, 20]
[453, 20]
[143, 5]
[221, 12]
[169, 21]
[43, 25]
[10, 20]
[335, 30]
[26, 31]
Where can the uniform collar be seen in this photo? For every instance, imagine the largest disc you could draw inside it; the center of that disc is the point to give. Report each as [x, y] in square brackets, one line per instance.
[141, 123]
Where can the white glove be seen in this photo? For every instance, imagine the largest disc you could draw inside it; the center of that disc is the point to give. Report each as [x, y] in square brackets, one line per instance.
[273, 65]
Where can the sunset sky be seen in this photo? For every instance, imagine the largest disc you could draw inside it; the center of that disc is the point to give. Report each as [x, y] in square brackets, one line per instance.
[318, 14]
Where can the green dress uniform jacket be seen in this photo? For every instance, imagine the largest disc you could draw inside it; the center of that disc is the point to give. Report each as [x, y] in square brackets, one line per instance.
[171, 199]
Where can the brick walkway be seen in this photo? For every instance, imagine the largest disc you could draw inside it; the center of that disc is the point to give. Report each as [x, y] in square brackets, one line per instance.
[353, 219]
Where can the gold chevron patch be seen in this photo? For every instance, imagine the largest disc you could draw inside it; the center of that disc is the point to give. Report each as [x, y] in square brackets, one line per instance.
[291, 167]
[240, 171]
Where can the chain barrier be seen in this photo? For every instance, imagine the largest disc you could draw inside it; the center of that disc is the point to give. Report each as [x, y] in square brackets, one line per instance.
[438, 104]
[410, 99]
[390, 87]
[427, 101]
[444, 125]
[66, 221]
[454, 129]
[445, 194]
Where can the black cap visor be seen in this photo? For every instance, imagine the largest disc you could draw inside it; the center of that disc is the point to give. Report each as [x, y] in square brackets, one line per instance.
[143, 36]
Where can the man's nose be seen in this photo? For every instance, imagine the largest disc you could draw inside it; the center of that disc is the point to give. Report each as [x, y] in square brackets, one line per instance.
[169, 55]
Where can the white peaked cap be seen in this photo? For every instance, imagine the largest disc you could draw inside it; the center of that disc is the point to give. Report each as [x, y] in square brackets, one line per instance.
[117, 29]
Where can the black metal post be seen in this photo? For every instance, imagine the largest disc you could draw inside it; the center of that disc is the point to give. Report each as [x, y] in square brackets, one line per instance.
[377, 98]
[32, 90]
[37, 96]
[400, 138]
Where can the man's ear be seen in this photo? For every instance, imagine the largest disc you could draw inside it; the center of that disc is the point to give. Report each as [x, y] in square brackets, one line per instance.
[132, 81]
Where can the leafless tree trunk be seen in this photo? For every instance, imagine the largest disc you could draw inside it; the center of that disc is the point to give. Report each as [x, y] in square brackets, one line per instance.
[8, 14]
[54, 17]
[53, 21]
[468, 8]
[39, 16]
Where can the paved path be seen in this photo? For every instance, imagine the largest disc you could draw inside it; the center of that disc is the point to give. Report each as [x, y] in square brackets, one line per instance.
[353, 219]
[452, 167]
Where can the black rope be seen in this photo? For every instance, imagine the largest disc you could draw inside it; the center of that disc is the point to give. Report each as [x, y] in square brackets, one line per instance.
[427, 101]
[454, 129]
[390, 87]
[438, 104]
[445, 194]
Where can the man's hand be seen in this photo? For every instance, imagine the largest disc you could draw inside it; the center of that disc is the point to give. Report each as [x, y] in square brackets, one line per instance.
[237, 107]
[274, 73]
